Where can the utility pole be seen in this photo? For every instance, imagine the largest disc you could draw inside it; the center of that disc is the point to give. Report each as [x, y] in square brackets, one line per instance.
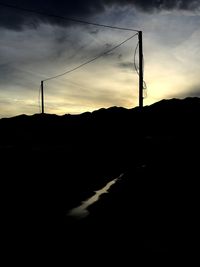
[42, 96]
[140, 69]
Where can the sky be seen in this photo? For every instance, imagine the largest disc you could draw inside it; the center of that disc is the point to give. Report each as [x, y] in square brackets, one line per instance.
[35, 47]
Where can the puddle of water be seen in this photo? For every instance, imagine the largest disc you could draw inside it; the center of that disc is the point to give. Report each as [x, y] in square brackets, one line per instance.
[82, 211]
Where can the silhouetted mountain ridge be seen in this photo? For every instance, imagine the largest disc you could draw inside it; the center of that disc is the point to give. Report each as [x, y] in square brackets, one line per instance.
[51, 163]
[161, 116]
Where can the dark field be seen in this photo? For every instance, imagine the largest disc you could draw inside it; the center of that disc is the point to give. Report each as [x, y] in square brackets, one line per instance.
[49, 164]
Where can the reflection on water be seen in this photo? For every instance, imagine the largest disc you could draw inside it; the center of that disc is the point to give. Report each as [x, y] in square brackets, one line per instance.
[81, 211]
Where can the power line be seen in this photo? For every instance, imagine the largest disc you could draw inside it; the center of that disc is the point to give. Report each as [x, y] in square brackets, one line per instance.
[91, 60]
[66, 18]
[136, 68]
[145, 89]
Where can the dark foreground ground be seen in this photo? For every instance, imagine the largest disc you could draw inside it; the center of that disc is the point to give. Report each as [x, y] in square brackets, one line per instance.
[49, 164]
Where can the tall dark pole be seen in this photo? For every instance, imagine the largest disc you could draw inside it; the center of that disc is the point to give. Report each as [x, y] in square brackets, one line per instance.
[42, 96]
[140, 70]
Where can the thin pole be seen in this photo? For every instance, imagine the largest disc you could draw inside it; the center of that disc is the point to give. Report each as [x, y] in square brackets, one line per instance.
[42, 96]
[140, 70]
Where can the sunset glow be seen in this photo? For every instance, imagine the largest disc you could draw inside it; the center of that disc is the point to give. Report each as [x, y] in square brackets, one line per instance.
[38, 51]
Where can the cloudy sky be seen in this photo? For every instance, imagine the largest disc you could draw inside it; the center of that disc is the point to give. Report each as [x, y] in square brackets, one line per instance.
[34, 47]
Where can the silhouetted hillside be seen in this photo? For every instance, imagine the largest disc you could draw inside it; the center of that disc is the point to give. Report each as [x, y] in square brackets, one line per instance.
[51, 163]
[53, 129]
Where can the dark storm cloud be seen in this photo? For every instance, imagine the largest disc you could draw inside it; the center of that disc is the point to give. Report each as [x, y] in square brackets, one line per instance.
[16, 18]
[13, 18]
[149, 5]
